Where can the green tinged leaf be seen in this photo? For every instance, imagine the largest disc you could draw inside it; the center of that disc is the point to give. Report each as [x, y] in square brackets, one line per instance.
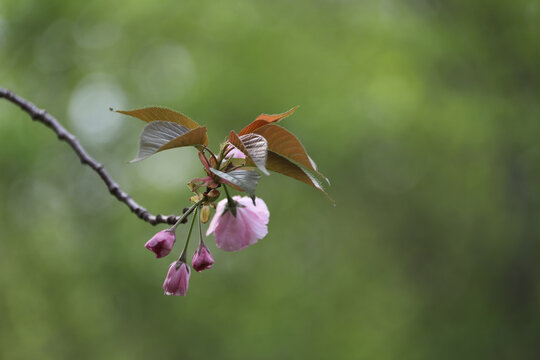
[246, 180]
[238, 162]
[254, 146]
[162, 135]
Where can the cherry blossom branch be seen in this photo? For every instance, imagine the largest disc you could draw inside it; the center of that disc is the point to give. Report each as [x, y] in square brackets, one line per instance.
[48, 120]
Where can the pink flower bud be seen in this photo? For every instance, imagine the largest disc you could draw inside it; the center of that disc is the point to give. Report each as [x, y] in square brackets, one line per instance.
[235, 153]
[234, 233]
[161, 243]
[177, 280]
[202, 259]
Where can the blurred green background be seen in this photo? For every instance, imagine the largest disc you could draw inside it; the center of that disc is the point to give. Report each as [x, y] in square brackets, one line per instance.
[425, 115]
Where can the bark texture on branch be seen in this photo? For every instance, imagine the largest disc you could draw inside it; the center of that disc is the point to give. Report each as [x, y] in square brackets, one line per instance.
[48, 120]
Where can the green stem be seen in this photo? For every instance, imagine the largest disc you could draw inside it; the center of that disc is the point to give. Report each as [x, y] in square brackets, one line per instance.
[230, 201]
[182, 257]
[184, 215]
[231, 205]
[200, 231]
[224, 151]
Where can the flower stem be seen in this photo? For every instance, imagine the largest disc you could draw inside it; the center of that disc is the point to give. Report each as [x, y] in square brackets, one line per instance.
[200, 231]
[230, 201]
[184, 215]
[231, 205]
[182, 257]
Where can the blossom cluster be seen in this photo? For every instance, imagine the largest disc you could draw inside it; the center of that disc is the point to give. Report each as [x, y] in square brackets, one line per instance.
[239, 221]
[232, 232]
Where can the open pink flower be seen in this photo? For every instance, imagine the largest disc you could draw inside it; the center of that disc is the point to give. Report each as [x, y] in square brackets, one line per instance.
[177, 280]
[233, 233]
[161, 243]
[202, 259]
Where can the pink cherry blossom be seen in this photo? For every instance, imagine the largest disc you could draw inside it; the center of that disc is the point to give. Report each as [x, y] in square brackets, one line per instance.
[202, 259]
[233, 233]
[177, 280]
[161, 243]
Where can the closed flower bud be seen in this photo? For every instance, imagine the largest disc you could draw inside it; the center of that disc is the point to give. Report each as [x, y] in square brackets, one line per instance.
[202, 259]
[161, 243]
[177, 280]
[235, 231]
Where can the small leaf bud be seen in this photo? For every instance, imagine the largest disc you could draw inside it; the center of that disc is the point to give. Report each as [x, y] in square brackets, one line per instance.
[213, 194]
[205, 214]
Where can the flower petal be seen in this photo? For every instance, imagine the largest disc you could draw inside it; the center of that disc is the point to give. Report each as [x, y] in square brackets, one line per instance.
[250, 224]
[230, 234]
[259, 208]
[217, 217]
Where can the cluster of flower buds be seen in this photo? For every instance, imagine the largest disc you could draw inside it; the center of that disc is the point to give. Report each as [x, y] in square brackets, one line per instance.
[239, 221]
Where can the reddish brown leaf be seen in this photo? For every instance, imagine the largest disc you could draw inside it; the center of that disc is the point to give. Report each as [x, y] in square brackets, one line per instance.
[254, 146]
[196, 136]
[284, 143]
[155, 113]
[264, 119]
[162, 135]
[279, 164]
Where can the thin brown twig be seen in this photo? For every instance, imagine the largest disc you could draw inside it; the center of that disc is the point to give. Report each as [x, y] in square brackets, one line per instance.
[48, 120]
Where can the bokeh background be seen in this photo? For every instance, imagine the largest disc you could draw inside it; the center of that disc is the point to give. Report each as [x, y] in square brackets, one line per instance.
[424, 115]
